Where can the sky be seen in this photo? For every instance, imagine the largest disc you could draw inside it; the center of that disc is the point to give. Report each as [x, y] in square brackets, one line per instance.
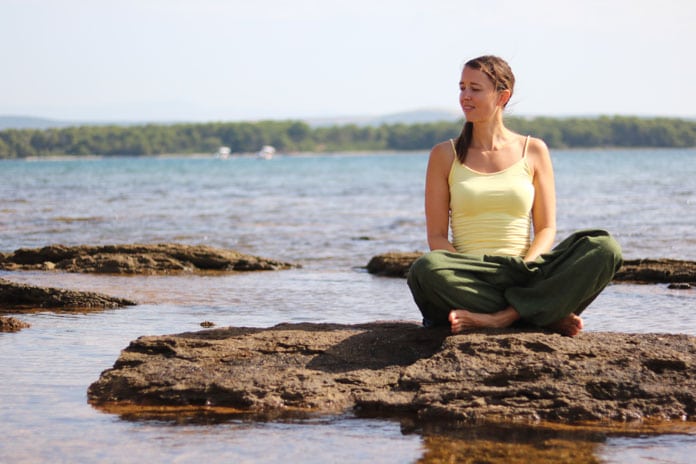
[231, 60]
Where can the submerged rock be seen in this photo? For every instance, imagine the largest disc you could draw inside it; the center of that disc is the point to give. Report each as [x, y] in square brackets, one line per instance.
[21, 297]
[397, 264]
[398, 368]
[10, 324]
[136, 259]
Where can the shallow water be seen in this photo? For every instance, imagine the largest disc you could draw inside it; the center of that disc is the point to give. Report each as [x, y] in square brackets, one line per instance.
[331, 214]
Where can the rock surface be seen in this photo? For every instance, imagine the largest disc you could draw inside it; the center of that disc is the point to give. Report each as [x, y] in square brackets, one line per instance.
[400, 369]
[658, 271]
[16, 297]
[136, 259]
[633, 270]
[392, 264]
[10, 324]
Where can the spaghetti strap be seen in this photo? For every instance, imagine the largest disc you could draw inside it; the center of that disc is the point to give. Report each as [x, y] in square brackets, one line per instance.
[524, 150]
[454, 149]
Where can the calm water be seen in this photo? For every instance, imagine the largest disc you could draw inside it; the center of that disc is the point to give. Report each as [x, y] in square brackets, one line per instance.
[329, 213]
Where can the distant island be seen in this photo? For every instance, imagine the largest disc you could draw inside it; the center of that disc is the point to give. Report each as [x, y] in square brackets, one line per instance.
[292, 136]
[423, 115]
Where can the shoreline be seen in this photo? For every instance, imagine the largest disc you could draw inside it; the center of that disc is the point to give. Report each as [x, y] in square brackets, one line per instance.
[307, 154]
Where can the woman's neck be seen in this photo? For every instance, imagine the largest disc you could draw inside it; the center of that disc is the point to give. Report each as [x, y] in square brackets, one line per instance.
[490, 137]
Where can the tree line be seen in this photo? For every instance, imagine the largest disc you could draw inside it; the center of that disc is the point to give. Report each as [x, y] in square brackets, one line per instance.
[298, 136]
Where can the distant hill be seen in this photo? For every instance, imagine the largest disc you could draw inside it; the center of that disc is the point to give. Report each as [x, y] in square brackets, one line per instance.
[422, 116]
[406, 117]
[29, 122]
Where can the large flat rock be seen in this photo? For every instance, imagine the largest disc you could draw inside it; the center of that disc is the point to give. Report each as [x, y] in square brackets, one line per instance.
[161, 258]
[398, 368]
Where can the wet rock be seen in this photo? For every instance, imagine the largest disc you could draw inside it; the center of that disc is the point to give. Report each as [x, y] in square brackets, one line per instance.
[657, 270]
[392, 264]
[680, 286]
[400, 369]
[21, 297]
[136, 259]
[10, 324]
[633, 270]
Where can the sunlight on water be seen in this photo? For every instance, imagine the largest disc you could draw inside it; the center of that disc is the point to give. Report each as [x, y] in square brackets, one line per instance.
[643, 309]
[661, 449]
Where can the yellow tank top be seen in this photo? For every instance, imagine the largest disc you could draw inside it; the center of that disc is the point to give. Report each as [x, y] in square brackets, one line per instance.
[490, 214]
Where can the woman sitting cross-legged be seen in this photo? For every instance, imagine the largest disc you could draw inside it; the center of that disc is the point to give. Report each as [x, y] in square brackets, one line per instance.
[492, 188]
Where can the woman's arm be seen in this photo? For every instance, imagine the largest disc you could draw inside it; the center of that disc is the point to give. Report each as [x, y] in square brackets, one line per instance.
[544, 207]
[437, 197]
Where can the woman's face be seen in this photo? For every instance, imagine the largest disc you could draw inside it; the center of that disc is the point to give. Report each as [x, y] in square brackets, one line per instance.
[477, 95]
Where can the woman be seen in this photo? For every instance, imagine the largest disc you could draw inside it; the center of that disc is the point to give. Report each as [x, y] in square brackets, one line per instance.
[492, 187]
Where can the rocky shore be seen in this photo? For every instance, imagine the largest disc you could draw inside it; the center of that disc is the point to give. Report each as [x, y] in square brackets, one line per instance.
[384, 369]
[166, 258]
[110, 259]
[169, 258]
[677, 273]
[394, 369]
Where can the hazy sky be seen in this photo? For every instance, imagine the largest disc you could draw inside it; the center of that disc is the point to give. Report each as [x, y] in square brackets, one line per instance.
[275, 59]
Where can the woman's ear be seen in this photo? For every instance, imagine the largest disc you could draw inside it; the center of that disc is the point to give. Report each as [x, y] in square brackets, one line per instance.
[504, 97]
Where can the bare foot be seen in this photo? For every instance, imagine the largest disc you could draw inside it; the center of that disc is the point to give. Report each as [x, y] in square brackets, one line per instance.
[461, 319]
[570, 325]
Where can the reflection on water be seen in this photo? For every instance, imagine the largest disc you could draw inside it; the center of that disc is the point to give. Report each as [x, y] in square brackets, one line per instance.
[517, 443]
[510, 444]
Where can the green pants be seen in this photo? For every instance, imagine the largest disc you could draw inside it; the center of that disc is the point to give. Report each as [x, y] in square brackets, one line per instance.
[558, 283]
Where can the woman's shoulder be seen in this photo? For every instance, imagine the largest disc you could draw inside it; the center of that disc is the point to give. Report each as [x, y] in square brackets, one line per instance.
[443, 151]
[441, 156]
[537, 146]
[443, 147]
[537, 154]
[533, 147]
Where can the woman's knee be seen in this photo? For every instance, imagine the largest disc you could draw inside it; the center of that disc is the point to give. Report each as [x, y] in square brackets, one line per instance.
[423, 266]
[609, 249]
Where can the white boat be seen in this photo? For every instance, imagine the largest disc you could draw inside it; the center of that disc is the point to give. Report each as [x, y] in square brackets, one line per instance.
[266, 152]
[223, 153]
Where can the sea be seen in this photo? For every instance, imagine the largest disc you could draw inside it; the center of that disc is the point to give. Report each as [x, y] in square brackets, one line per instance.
[329, 213]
